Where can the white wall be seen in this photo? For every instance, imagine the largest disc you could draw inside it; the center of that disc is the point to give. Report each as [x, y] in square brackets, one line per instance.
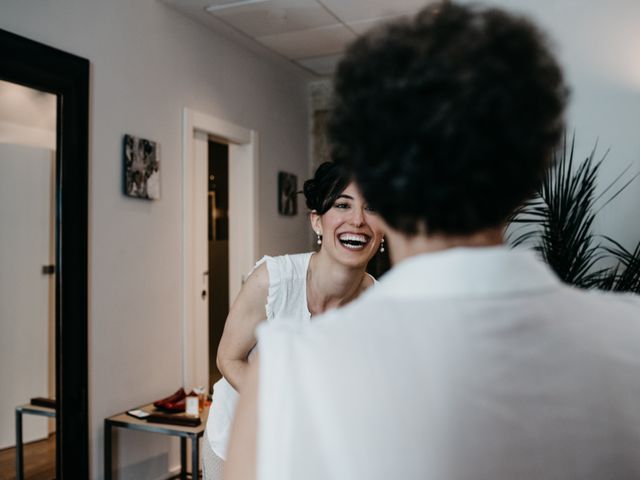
[149, 62]
[598, 42]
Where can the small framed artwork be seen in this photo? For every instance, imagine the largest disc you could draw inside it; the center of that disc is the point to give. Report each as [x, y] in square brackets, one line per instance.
[141, 168]
[287, 194]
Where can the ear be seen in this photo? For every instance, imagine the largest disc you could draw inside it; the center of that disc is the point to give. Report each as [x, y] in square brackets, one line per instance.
[316, 224]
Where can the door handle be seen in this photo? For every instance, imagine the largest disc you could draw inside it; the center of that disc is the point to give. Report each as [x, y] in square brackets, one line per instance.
[203, 295]
[48, 269]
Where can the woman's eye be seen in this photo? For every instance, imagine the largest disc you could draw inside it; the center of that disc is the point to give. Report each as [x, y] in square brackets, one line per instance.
[342, 205]
[369, 209]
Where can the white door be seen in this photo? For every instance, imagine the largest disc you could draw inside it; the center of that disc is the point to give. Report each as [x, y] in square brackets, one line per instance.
[26, 187]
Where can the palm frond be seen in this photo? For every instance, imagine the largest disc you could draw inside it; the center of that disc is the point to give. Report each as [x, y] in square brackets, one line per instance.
[628, 280]
[557, 222]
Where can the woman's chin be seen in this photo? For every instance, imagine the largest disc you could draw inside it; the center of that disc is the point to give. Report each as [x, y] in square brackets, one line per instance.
[354, 257]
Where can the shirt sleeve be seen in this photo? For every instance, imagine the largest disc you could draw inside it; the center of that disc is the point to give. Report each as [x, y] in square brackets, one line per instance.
[275, 281]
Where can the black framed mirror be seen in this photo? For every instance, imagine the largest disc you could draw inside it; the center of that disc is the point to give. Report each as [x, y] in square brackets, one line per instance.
[37, 66]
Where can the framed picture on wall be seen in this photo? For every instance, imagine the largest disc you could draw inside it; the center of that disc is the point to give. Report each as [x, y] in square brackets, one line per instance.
[141, 168]
[287, 194]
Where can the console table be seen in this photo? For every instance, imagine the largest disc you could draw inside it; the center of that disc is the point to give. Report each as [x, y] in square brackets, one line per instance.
[30, 410]
[122, 420]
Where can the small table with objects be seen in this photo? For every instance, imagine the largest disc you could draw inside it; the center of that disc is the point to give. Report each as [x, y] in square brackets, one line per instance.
[123, 420]
[21, 410]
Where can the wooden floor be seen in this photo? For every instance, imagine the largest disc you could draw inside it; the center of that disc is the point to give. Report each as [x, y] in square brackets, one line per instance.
[39, 461]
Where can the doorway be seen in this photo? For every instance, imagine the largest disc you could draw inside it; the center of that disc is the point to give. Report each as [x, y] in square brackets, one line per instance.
[218, 238]
[242, 191]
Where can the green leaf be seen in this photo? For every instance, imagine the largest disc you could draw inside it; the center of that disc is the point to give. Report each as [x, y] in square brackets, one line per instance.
[557, 222]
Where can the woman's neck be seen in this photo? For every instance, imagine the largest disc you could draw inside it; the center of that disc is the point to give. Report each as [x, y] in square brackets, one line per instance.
[402, 246]
[330, 284]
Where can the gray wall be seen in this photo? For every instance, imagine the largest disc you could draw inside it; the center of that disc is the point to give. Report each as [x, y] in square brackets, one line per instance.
[598, 43]
[148, 62]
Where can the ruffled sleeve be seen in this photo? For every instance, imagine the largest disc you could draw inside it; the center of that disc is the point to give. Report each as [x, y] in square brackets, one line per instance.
[275, 281]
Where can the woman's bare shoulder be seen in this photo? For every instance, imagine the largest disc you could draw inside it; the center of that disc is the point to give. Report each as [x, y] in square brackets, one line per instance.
[259, 277]
[253, 293]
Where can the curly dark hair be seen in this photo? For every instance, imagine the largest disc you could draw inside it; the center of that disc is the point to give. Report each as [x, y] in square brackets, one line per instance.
[449, 119]
[328, 182]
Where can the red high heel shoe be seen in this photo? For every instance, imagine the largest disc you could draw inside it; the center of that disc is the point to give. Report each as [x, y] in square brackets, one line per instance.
[171, 399]
[175, 407]
[178, 406]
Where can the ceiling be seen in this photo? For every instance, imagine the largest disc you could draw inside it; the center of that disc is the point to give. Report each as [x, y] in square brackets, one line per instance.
[310, 34]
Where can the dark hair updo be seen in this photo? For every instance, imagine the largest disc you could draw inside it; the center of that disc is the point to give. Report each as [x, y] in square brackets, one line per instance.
[323, 189]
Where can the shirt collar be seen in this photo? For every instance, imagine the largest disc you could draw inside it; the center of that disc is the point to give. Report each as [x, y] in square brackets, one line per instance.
[478, 272]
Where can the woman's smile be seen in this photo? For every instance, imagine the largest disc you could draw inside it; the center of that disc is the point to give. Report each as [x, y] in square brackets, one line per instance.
[354, 241]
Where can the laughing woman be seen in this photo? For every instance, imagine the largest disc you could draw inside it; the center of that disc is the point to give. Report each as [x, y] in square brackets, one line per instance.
[294, 288]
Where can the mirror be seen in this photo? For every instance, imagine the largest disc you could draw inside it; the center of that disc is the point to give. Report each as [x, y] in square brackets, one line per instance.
[27, 286]
[43, 220]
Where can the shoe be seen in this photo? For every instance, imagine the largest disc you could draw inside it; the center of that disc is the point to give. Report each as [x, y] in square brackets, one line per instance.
[175, 407]
[176, 397]
[178, 406]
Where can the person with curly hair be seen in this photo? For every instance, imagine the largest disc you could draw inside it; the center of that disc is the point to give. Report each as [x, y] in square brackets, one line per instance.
[469, 360]
[294, 288]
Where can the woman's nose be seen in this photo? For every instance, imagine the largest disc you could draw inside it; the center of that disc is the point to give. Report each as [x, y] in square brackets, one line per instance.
[357, 219]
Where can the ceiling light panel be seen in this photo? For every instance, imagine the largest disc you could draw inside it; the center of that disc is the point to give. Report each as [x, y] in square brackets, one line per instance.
[309, 43]
[275, 16]
[357, 10]
[216, 5]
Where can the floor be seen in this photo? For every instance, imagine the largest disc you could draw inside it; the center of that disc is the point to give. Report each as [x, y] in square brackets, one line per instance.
[39, 461]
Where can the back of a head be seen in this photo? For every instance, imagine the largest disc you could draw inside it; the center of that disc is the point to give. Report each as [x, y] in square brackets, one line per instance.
[448, 119]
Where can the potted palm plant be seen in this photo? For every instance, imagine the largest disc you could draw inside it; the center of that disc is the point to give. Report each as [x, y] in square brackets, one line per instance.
[557, 222]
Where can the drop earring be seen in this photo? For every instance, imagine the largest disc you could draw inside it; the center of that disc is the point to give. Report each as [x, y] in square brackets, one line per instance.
[319, 242]
[382, 245]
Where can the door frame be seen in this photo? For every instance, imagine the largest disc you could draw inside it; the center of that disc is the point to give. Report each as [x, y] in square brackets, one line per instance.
[198, 128]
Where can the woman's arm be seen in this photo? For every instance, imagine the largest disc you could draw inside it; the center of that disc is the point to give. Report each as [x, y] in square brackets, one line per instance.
[238, 337]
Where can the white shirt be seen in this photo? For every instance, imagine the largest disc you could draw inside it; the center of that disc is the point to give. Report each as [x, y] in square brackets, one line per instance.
[465, 364]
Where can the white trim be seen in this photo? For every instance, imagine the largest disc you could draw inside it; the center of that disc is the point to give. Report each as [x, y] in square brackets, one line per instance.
[243, 231]
[218, 128]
